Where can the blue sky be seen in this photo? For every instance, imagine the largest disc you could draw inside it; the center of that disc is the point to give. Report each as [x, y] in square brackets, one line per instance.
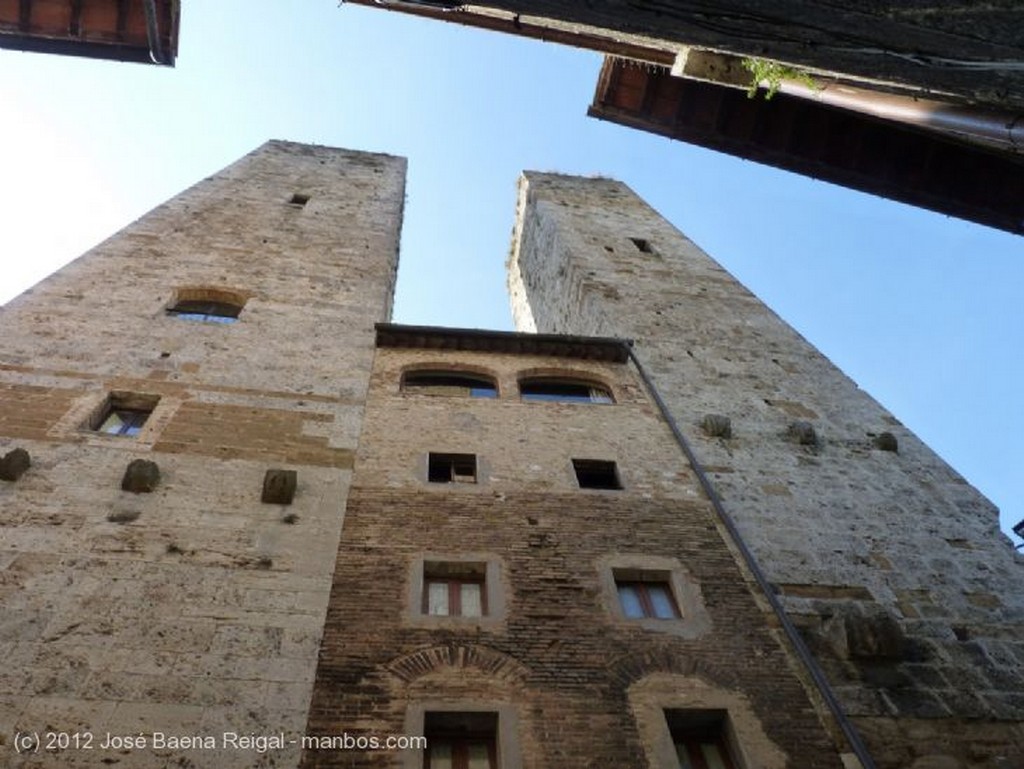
[924, 312]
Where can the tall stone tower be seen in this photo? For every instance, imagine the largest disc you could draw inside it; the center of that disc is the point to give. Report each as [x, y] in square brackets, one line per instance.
[225, 339]
[890, 562]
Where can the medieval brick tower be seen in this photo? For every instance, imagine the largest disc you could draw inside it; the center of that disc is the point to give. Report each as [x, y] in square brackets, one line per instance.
[259, 519]
[890, 563]
[225, 334]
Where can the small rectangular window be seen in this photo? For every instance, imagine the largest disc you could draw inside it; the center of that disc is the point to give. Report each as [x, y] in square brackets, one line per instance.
[596, 474]
[299, 200]
[460, 740]
[454, 589]
[700, 739]
[123, 414]
[451, 468]
[647, 599]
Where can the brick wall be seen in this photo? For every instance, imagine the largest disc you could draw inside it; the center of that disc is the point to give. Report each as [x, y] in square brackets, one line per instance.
[584, 685]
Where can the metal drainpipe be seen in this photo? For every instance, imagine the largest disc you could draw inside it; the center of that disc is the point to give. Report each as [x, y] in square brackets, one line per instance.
[989, 127]
[156, 52]
[849, 731]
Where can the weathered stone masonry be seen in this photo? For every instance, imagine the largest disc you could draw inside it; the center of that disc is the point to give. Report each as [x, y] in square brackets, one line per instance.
[193, 609]
[890, 562]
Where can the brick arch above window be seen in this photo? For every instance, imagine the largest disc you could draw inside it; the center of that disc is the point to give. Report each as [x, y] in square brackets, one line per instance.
[429, 659]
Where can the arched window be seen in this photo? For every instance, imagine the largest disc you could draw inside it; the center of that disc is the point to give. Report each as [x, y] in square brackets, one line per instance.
[451, 383]
[563, 390]
[207, 304]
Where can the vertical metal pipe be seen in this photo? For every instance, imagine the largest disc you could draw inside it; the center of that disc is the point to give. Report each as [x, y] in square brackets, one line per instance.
[156, 51]
[813, 669]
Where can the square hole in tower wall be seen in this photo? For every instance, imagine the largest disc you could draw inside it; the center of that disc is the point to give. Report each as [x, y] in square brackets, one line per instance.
[596, 474]
[451, 468]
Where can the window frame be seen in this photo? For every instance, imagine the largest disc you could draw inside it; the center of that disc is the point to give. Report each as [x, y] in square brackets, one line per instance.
[693, 620]
[484, 732]
[131, 422]
[206, 311]
[454, 575]
[598, 392]
[507, 748]
[438, 461]
[487, 392]
[138, 407]
[706, 727]
[206, 304]
[648, 607]
[484, 569]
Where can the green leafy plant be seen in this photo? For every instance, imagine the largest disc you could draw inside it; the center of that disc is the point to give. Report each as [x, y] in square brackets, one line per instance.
[773, 73]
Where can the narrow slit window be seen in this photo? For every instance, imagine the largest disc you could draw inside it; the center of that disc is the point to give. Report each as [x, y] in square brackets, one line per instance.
[451, 468]
[596, 474]
[450, 383]
[564, 391]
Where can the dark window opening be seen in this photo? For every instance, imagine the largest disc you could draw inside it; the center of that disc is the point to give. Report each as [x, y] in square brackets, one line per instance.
[449, 383]
[642, 245]
[563, 391]
[647, 599]
[299, 200]
[205, 310]
[451, 468]
[123, 414]
[700, 738]
[453, 589]
[596, 474]
[460, 740]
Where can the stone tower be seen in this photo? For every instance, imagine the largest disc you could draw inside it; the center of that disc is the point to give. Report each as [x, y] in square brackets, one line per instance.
[226, 338]
[889, 562]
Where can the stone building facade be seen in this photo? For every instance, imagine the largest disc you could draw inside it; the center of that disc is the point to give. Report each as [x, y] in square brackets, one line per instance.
[551, 664]
[253, 508]
[195, 608]
[889, 561]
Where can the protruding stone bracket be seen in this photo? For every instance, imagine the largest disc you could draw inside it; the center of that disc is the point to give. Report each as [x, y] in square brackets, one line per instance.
[803, 433]
[716, 426]
[279, 486]
[886, 442]
[141, 476]
[13, 464]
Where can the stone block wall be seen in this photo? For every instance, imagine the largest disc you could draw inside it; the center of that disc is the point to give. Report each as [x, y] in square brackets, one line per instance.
[890, 562]
[195, 609]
